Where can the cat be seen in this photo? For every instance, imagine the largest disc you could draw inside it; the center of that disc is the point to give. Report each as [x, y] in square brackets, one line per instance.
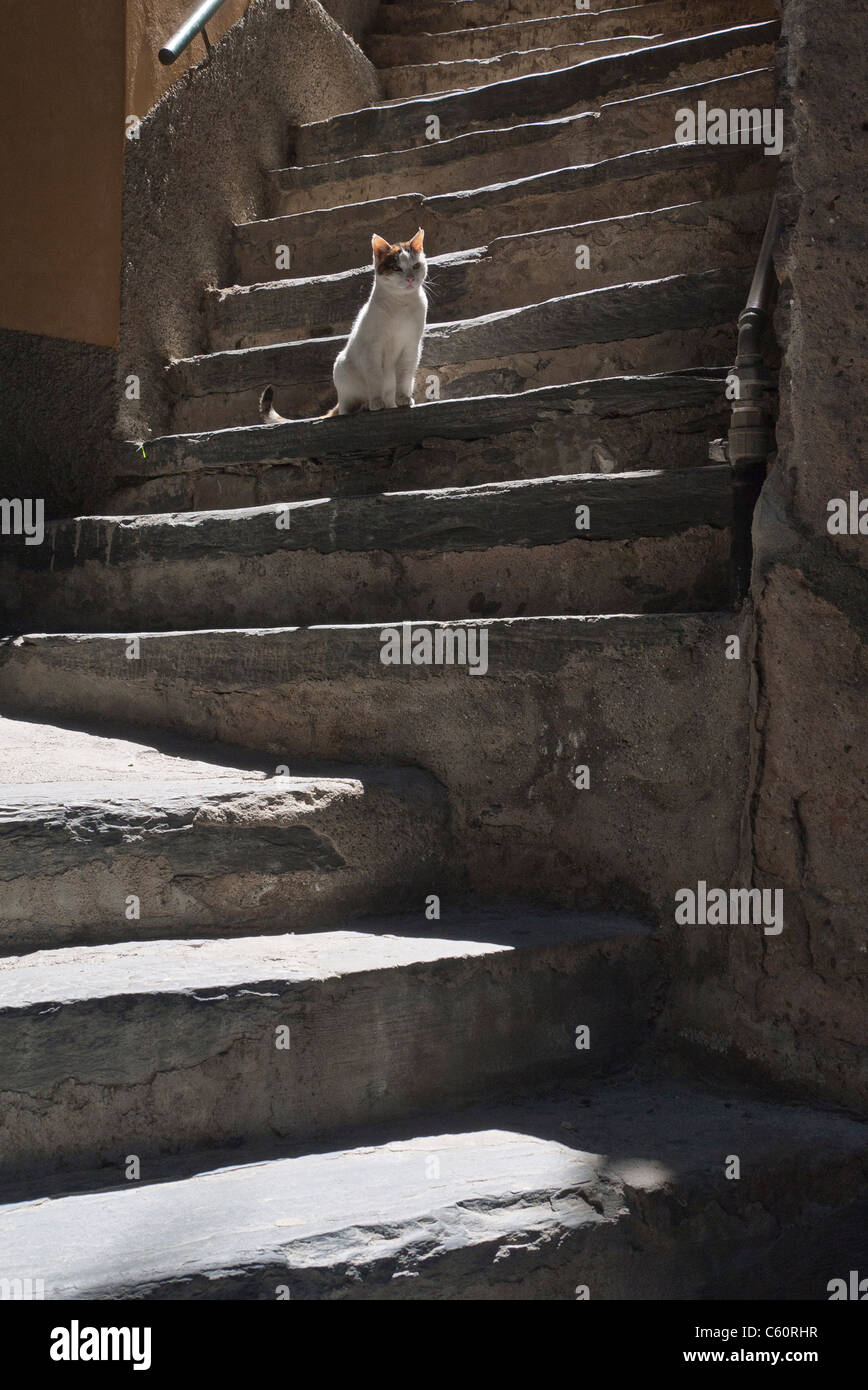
[375, 370]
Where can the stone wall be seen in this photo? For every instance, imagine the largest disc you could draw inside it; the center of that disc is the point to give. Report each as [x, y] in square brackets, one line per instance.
[57, 409]
[207, 146]
[355, 16]
[793, 1007]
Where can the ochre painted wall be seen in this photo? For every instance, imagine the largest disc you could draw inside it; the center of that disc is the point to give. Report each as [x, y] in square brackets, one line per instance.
[61, 167]
[71, 72]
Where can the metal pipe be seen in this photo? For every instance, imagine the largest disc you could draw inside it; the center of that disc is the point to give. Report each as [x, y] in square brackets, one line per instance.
[760, 292]
[171, 51]
[750, 429]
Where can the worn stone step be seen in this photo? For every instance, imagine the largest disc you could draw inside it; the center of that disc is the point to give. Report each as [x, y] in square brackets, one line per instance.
[337, 239]
[436, 16]
[452, 75]
[201, 843]
[152, 1047]
[479, 158]
[650, 541]
[615, 1191]
[672, 349]
[283, 311]
[657, 17]
[405, 125]
[508, 272]
[647, 323]
[502, 725]
[599, 425]
[472, 58]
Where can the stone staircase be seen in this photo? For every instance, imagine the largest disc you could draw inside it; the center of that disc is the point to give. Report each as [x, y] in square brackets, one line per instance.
[275, 908]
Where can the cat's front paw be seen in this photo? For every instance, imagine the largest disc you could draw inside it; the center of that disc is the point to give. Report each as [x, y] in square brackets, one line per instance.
[405, 400]
[376, 403]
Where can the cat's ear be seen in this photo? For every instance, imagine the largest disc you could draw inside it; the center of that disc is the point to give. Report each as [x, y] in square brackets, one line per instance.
[381, 248]
[416, 243]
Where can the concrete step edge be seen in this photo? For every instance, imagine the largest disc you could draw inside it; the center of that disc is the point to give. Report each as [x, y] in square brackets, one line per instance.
[133, 969]
[333, 169]
[612, 313]
[621, 505]
[630, 165]
[466, 1205]
[536, 93]
[159, 1046]
[468, 418]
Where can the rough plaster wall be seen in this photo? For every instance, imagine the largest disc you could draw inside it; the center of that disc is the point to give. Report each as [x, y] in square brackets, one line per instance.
[199, 165]
[57, 406]
[795, 1007]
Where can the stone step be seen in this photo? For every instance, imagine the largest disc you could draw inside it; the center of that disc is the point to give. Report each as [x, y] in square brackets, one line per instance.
[612, 1191]
[657, 17]
[550, 694]
[480, 158]
[202, 844]
[337, 239]
[151, 1047]
[485, 55]
[436, 16]
[600, 425]
[668, 323]
[651, 541]
[320, 306]
[508, 272]
[406, 124]
[462, 74]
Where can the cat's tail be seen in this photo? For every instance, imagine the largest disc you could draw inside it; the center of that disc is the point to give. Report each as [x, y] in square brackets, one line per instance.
[267, 413]
[269, 416]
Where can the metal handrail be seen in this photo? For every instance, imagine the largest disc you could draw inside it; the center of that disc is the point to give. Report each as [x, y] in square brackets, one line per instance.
[750, 430]
[172, 50]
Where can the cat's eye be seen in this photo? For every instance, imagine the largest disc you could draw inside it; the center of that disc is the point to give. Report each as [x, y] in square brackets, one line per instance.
[417, 265]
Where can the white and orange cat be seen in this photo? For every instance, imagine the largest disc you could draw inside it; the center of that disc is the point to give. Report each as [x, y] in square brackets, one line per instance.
[376, 369]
